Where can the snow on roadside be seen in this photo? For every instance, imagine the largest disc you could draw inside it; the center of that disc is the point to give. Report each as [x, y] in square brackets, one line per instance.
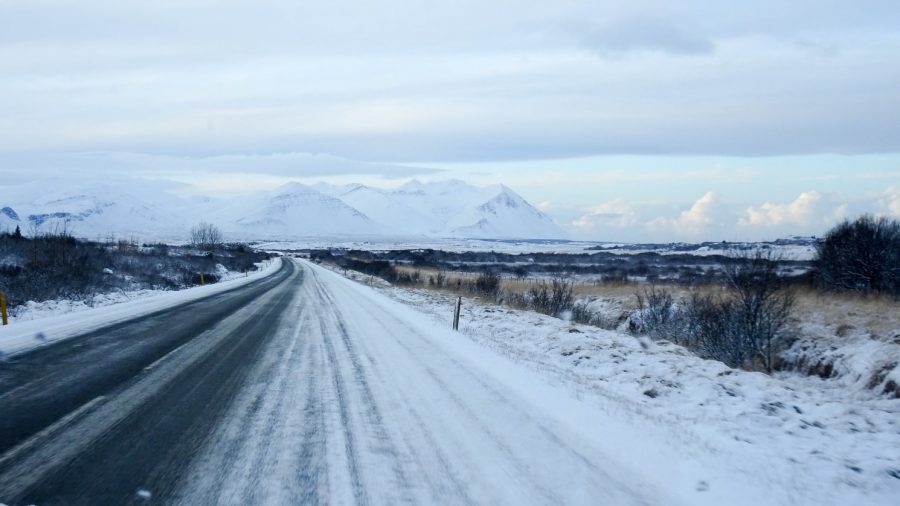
[816, 441]
[32, 310]
[38, 324]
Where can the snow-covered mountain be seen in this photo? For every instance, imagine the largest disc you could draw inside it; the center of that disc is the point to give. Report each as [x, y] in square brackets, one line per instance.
[452, 209]
[93, 210]
[293, 210]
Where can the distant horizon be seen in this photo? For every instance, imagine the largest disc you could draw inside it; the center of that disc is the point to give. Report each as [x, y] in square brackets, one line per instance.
[69, 186]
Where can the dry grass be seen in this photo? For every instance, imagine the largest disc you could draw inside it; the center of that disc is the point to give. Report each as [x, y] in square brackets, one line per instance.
[622, 296]
[581, 288]
[877, 315]
[842, 313]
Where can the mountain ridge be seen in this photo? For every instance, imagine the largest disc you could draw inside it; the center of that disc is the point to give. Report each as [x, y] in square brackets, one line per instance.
[450, 209]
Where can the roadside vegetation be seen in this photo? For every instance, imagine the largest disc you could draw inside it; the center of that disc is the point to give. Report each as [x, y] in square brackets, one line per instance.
[744, 309]
[56, 265]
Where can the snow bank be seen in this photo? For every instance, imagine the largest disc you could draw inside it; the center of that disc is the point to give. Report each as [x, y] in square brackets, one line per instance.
[43, 323]
[856, 361]
[809, 440]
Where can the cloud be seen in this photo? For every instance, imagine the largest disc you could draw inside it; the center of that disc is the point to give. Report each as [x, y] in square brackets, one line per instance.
[614, 214]
[449, 81]
[714, 217]
[889, 201]
[809, 210]
[295, 165]
[698, 221]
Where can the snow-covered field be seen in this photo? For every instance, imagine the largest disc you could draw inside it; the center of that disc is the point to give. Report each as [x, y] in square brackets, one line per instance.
[375, 243]
[37, 324]
[785, 251]
[806, 440]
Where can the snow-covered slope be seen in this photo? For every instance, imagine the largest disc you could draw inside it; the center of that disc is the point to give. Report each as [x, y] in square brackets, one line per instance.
[394, 213]
[506, 214]
[9, 219]
[451, 209]
[293, 210]
[93, 210]
[149, 211]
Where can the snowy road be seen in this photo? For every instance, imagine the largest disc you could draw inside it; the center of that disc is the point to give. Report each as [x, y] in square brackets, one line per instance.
[312, 390]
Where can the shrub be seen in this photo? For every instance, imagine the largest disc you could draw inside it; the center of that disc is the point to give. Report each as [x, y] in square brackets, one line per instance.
[553, 298]
[760, 304]
[56, 265]
[745, 325]
[656, 315]
[488, 284]
[861, 256]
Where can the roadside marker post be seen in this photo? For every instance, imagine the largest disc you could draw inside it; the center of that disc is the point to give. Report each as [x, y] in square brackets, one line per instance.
[3, 308]
[456, 313]
[202, 281]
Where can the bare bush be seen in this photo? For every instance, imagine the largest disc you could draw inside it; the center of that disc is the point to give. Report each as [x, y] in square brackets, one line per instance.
[55, 265]
[488, 284]
[656, 315]
[860, 256]
[708, 329]
[553, 298]
[206, 236]
[539, 298]
[761, 304]
[561, 298]
[745, 326]
[581, 313]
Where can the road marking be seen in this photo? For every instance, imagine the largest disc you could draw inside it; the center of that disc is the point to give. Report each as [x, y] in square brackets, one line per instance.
[167, 355]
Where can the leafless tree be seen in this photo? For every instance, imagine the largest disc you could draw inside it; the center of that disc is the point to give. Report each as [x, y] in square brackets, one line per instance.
[206, 236]
[760, 304]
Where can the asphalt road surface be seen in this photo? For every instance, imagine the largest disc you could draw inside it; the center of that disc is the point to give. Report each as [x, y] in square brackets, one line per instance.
[301, 388]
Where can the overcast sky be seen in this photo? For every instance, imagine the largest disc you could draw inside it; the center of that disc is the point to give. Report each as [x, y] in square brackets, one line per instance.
[631, 120]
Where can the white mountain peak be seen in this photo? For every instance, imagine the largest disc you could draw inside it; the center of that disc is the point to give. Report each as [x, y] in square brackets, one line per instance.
[450, 208]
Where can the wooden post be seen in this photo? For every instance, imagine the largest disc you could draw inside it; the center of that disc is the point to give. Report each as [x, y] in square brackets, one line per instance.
[456, 313]
[3, 308]
[202, 281]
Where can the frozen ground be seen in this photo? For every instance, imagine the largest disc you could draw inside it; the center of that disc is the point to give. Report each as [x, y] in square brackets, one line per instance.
[787, 251]
[37, 324]
[322, 391]
[804, 440]
[319, 389]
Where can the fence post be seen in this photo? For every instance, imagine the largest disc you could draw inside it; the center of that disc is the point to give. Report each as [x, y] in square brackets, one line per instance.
[456, 313]
[202, 281]
[3, 308]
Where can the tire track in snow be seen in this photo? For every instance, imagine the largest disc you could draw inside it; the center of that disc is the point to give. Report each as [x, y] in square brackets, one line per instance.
[391, 324]
[524, 475]
[372, 412]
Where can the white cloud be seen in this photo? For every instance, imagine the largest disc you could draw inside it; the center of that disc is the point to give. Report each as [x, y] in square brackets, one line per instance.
[714, 217]
[609, 215]
[697, 222]
[811, 210]
[889, 201]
